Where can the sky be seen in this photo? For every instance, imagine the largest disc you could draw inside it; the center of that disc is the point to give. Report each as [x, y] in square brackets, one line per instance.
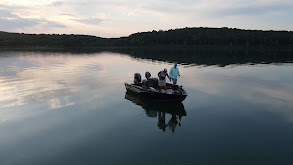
[117, 18]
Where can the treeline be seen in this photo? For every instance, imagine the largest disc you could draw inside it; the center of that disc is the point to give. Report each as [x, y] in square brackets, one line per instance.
[213, 37]
[50, 40]
[187, 37]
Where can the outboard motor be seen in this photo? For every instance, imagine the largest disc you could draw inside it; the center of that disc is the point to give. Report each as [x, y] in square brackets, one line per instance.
[147, 75]
[137, 78]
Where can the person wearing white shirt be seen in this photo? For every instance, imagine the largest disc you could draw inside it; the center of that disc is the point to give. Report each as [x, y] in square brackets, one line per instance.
[174, 71]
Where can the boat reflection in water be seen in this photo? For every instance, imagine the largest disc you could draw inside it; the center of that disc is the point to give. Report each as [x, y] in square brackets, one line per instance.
[159, 110]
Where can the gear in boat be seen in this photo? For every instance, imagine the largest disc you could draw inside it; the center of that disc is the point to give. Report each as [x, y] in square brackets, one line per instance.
[149, 88]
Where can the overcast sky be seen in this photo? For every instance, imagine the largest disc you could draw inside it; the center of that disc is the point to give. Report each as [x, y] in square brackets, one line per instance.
[116, 18]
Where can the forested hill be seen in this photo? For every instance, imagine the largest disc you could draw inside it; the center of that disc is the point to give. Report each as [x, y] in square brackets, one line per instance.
[178, 37]
[50, 40]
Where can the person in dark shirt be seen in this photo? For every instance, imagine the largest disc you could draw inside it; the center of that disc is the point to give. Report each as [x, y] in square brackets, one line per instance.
[162, 79]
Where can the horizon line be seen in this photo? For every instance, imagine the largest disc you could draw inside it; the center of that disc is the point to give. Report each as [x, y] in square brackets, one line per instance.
[146, 32]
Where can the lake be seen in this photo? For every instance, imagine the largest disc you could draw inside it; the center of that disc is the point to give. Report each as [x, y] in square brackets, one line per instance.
[72, 108]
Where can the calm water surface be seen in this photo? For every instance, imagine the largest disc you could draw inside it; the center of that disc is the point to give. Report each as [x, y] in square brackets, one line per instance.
[66, 108]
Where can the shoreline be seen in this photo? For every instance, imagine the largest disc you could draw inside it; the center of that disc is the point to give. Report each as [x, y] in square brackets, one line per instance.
[159, 47]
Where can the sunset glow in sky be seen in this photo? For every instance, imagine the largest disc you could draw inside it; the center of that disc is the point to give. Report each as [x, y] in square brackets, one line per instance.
[116, 18]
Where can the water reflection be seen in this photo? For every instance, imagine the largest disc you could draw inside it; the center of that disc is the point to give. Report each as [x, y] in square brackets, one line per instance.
[242, 111]
[159, 110]
[221, 56]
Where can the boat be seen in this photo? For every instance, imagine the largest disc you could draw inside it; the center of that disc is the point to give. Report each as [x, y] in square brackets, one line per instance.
[149, 89]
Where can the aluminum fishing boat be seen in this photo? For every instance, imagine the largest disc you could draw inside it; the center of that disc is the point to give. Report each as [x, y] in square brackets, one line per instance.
[149, 89]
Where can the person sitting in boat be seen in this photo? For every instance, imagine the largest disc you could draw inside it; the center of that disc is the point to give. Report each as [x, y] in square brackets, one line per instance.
[174, 71]
[162, 79]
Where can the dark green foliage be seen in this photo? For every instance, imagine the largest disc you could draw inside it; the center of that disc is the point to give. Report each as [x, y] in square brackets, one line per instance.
[187, 37]
[47, 40]
[214, 37]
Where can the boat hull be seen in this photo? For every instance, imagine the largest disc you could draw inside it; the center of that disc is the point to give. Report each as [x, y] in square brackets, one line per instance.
[156, 96]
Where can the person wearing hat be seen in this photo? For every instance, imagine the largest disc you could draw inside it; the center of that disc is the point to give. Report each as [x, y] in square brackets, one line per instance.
[174, 71]
[162, 79]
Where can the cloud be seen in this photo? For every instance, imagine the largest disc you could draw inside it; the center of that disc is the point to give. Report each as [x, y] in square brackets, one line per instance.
[92, 21]
[114, 17]
[6, 14]
[19, 23]
[9, 21]
[52, 24]
[10, 7]
[57, 3]
[217, 8]
[254, 9]
[170, 7]
[8, 24]
[66, 14]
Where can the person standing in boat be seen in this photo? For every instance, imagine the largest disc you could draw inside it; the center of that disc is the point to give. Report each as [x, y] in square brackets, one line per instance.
[174, 71]
[162, 79]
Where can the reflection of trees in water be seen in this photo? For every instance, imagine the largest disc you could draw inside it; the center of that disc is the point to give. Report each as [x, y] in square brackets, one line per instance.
[212, 55]
[221, 56]
[159, 110]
